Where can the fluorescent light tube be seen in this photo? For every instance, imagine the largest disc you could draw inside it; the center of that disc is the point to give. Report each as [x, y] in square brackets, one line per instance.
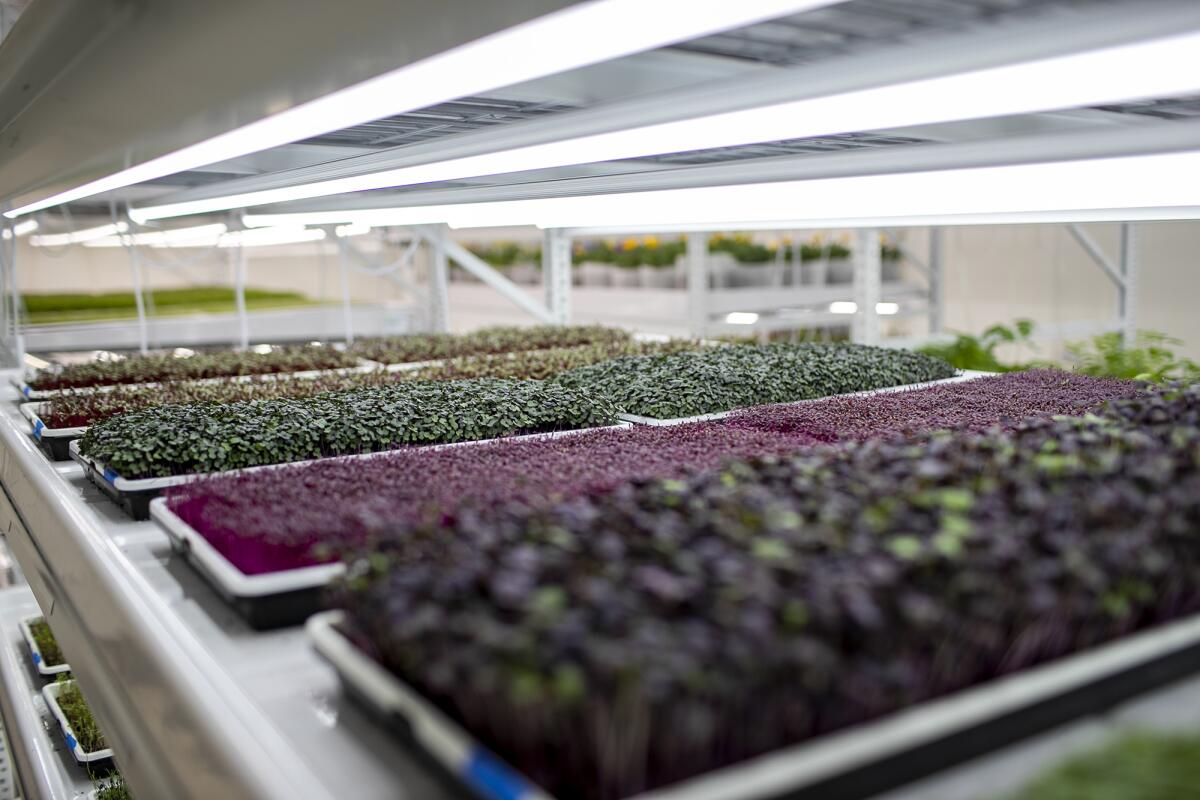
[741, 318]
[265, 237]
[1166, 67]
[20, 229]
[161, 238]
[843, 307]
[577, 36]
[78, 237]
[887, 309]
[1131, 182]
[353, 229]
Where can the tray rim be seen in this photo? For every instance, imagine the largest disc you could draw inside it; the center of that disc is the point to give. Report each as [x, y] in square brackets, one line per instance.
[50, 694]
[225, 574]
[961, 376]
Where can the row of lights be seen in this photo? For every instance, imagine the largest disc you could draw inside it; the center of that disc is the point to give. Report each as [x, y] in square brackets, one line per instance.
[883, 309]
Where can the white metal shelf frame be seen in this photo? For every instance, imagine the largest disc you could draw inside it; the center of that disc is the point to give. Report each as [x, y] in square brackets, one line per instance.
[195, 704]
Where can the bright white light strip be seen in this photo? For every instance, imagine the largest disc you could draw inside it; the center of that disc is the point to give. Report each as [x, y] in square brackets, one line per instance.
[162, 238]
[1159, 68]
[741, 318]
[270, 236]
[843, 307]
[887, 309]
[1131, 182]
[77, 237]
[577, 36]
[353, 229]
[20, 229]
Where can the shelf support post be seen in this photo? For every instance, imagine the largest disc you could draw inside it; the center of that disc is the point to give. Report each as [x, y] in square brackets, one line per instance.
[1127, 292]
[867, 271]
[697, 283]
[344, 283]
[238, 254]
[937, 289]
[135, 266]
[439, 289]
[556, 274]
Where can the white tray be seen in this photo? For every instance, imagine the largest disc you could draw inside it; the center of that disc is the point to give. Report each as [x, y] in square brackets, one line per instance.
[38, 661]
[796, 768]
[50, 693]
[221, 572]
[33, 412]
[963, 375]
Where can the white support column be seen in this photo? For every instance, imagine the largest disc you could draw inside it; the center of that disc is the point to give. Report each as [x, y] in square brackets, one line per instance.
[556, 274]
[135, 266]
[344, 284]
[1127, 292]
[239, 294]
[697, 283]
[484, 271]
[937, 287]
[439, 289]
[867, 271]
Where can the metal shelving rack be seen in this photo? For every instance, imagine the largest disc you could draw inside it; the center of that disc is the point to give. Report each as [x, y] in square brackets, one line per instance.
[196, 704]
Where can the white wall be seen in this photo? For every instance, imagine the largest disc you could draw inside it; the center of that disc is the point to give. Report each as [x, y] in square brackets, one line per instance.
[993, 274]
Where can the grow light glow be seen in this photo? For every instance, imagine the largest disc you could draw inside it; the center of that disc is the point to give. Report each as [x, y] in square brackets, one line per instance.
[741, 318]
[1165, 67]
[20, 229]
[577, 36]
[887, 309]
[78, 237]
[1099, 186]
[162, 238]
[353, 229]
[843, 307]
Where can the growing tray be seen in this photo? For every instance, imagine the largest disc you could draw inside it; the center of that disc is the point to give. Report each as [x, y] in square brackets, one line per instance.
[134, 494]
[269, 600]
[35, 652]
[274, 599]
[848, 765]
[95, 760]
[54, 441]
[963, 375]
[27, 392]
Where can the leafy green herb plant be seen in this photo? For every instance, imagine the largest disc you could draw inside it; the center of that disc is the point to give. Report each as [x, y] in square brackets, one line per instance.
[979, 352]
[1136, 766]
[1150, 358]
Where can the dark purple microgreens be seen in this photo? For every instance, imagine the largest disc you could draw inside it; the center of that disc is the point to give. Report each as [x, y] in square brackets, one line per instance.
[702, 621]
[270, 520]
[971, 405]
[273, 520]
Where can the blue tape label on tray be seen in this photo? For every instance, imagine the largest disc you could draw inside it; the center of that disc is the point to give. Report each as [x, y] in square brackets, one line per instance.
[37, 429]
[110, 475]
[70, 742]
[37, 658]
[25, 390]
[494, 778]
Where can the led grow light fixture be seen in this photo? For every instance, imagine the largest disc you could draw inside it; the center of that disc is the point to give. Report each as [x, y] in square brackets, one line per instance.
[20, 229]
[1162, 67]
[161, 238]
[577, 36]
[78, 237]
[1131, 182]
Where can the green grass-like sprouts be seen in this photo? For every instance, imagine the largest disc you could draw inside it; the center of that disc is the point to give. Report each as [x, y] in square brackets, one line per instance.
[76, 710]
[51, 653]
